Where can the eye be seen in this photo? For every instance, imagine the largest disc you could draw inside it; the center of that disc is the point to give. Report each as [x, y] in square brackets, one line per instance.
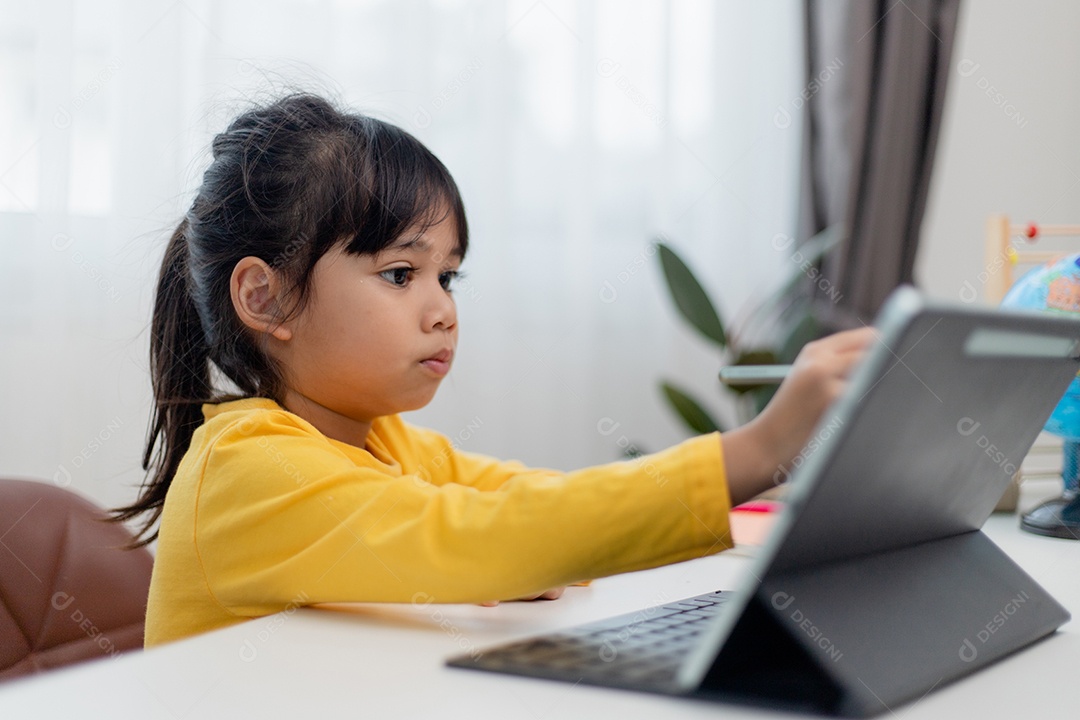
[399, 276]
[448, 278]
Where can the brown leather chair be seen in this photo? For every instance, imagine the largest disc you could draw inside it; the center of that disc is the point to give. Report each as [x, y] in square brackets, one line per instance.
[68, 590]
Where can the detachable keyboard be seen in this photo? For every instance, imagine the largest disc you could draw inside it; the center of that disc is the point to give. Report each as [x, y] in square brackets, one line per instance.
[641, 650]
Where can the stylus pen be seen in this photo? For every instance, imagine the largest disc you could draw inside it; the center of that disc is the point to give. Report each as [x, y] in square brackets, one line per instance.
[735, 375]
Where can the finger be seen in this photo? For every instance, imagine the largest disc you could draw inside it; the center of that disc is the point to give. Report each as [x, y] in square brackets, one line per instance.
[854, 340]
[838, 345]
[848, 362]
[825, 365]
[835, 389]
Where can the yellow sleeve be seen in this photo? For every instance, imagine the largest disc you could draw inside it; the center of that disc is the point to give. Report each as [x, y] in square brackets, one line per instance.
[443, 463]
[282, 514]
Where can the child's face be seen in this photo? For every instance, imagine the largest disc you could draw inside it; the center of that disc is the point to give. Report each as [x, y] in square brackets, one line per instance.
[379, 331]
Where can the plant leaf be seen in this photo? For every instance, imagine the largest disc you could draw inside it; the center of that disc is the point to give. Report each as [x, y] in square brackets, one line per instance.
[762, 396]
[691, 412]
[690, 298]
[811, 251]
[804, 329]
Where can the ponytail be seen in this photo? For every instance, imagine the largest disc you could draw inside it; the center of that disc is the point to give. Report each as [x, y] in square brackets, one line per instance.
[180, 375]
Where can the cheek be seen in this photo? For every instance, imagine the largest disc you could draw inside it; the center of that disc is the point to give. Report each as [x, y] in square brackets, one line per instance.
[346, 307]
[364, 331]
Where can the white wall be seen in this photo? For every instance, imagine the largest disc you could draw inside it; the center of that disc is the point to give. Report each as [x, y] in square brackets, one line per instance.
[577, 130]
[1010, 139]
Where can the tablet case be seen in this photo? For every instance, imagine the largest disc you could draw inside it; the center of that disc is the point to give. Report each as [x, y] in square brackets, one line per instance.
[907, 594]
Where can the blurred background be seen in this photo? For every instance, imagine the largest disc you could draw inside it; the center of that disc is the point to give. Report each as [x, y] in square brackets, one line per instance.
[579, 132]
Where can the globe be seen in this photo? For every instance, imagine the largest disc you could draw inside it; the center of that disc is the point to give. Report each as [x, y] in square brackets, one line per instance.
[1055, 288]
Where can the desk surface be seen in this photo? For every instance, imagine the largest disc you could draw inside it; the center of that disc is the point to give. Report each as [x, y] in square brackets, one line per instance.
[387, 660]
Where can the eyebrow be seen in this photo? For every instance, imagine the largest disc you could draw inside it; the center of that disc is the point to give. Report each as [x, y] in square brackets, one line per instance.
[419, 244]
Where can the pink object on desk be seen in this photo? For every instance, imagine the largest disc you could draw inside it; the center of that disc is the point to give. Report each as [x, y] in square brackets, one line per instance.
[757, 506]
[752, 521]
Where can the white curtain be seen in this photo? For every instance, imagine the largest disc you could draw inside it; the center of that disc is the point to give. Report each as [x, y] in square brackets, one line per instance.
[578, 132]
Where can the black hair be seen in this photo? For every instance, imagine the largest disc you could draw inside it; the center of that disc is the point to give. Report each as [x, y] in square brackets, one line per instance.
[288, 182]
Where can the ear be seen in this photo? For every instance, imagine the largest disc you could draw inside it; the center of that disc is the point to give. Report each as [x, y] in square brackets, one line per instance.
[256, 293]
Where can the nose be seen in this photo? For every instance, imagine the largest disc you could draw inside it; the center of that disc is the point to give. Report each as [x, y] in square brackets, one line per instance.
[440, 312]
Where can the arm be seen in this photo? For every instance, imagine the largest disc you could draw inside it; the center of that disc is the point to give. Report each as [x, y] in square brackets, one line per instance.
[756, 452]
[337, 532]
[753, 453]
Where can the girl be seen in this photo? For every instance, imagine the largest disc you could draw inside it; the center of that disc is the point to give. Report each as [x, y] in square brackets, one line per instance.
[303, 302]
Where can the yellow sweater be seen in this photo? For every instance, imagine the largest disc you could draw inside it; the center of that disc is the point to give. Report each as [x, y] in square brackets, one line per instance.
[265, 512]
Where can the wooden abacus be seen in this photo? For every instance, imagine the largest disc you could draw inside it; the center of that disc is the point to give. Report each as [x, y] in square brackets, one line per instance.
[1002, 253]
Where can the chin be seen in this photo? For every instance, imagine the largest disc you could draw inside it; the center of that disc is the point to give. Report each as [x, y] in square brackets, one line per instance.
[415, 403]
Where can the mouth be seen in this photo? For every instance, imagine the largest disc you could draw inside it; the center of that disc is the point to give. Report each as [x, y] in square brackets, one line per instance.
[439, 363]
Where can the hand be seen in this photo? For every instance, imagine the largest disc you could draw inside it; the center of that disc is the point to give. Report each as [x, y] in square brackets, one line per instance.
[758, 451]
[553, 594]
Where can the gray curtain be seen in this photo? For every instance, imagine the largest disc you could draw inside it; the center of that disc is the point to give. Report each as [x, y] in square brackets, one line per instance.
[877, 74]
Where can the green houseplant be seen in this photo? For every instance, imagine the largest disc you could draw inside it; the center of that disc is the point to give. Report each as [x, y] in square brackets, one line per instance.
[787, 312]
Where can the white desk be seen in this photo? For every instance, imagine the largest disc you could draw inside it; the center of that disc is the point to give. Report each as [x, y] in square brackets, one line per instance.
[386, 661]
